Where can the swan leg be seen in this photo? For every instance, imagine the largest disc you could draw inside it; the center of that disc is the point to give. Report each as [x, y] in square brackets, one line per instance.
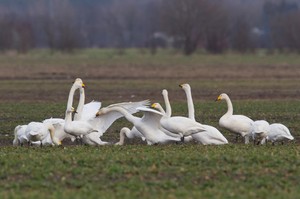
[246, 139]
[282, 142]
[182, 139]
[236, 138]
[273, 143]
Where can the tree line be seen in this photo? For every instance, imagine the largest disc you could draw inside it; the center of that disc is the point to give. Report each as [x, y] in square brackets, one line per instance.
[213, 25]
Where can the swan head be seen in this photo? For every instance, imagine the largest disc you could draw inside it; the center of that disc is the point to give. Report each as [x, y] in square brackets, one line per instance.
[164, 92]
[79, 83]
[222, 97]
[102, 111]
[158, 107]
[71, 110]
[185, 86]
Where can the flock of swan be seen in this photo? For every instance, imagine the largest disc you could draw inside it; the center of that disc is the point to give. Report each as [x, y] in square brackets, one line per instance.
[90, 121]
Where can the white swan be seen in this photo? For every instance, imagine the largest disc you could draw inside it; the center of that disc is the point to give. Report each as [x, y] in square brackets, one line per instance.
[149, 125]
[259, 131]
[278, 133]
[211, 135]
[239, 124]
[168, 112]
[20, 136]
[179, 125]
[77, 128]
[41, 132]
[59, 123]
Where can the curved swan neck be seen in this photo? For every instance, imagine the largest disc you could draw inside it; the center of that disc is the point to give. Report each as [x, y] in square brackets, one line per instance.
[124, 112]
[71, 95]
[122, 136]
[160, 108]
[79, 109]
[168, 111]
[54, 140]
[190, 103]
[68, 117]
[229, 105]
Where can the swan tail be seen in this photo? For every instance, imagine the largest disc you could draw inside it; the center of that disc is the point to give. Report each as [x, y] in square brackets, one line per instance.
[16, 140]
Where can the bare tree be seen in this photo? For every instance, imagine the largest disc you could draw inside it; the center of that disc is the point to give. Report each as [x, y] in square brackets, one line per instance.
[184, 20]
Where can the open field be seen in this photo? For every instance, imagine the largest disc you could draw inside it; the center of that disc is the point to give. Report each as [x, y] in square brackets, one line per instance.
[35, 86]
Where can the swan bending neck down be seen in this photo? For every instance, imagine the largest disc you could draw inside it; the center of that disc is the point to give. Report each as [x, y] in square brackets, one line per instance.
[149, 125]
[38, 132]
[129, 134]
[239, 124]
[211, 135]
[279, 133]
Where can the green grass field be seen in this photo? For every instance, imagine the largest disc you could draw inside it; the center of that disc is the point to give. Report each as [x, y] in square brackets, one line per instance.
[35, 86]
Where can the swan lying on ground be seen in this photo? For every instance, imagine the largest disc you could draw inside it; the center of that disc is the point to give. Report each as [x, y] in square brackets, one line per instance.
[40, 132]
[279, 133]
[259, 131]
[211, 135]
[238, 124]
[149, 125]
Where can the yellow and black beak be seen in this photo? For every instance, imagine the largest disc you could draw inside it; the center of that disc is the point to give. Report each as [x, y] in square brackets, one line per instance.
[219, 98]
[83, 85]
[153, 105]
[180, 85]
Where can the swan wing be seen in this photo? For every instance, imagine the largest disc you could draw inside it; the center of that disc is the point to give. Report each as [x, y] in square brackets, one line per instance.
[90, 109]
[103, 122]
[151, 117]
[182, 125]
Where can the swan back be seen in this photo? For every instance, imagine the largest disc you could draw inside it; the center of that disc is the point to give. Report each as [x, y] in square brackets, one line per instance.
[279, 132]
[260, 129]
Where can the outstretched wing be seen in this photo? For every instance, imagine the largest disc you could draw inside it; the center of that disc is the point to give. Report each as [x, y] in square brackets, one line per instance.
[151, 117]
[89, 110]
[103, 122]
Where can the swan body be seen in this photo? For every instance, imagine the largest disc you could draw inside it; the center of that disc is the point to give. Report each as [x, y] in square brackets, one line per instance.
[20, 136]
[77, 128]
[149, 125]
[58, 125]
[179, 125]
[278, 132]
[211, 135]
[238, 124]
[40, 132]
[259, 131]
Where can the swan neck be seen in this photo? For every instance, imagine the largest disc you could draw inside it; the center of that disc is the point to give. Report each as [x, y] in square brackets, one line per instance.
[124, 112]
[122, 137]
[229, 106]
[168, 111]
[68, 118]
[161, 110]
[70, 98]
[79, 109]
[190, 103]
[52, 133]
